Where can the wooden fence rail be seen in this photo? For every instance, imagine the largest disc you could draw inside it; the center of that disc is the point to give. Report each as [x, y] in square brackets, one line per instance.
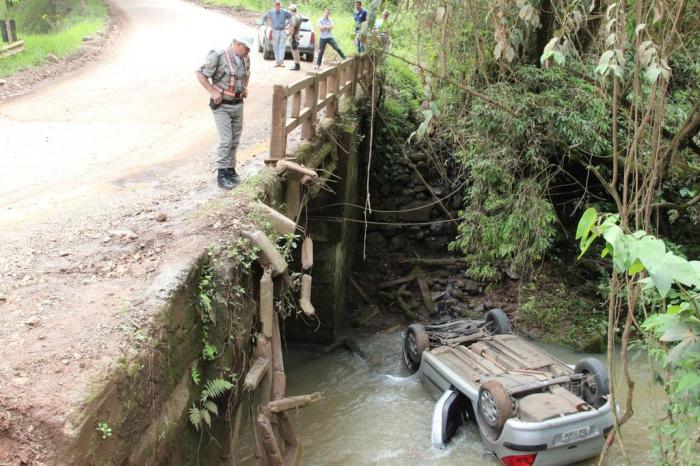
[310, 95]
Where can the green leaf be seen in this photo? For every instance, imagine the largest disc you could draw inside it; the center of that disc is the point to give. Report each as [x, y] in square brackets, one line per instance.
[195, 417]
[676, 332]
[206, 417]
[559, 57]
[587, 221]
[691, 380]
[652, 73]
[687, 345]
[636, 267]
[211, 407]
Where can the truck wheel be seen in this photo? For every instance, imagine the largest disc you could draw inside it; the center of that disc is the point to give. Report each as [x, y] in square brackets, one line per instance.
[415, 341]
[494, 407]
[595, 385]
[497, 322]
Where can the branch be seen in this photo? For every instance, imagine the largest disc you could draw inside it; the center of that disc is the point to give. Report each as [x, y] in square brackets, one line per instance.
[461, 86]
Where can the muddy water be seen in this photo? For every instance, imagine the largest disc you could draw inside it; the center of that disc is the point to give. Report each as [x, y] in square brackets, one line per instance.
[374, 412]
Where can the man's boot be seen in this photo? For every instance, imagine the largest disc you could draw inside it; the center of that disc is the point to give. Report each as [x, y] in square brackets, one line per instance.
[224, 178]
[296, 67]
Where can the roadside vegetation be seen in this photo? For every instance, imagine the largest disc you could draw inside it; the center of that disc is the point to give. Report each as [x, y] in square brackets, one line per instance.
[55, 28]
[575, 126]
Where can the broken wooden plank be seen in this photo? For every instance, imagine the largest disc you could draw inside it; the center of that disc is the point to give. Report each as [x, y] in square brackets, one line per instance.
[434, 262]
[405, 308]
[279, 378]
[399, 281]
[267, 311]
[274, 455]
[278, 221]
[256, 373]
[295, 170]
[292, 454]
[305, 299]
[424, 290]
[270, 255]
[292, 402]
[307, 253]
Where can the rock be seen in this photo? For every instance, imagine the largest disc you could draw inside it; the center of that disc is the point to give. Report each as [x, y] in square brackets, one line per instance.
[479, 308]
[51, 58]
[130, 235]
[470, 286]
[64, 362]
[397, 243]
[88, 38]
[33, 321]
[161, 217]
[535, 334]
[3, 298]
[2, 82]
[376, 241]
[63, 253]
[106, 239]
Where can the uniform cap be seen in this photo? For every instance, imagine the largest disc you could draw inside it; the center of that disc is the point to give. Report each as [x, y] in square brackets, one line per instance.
[245, 40]
[292, 7]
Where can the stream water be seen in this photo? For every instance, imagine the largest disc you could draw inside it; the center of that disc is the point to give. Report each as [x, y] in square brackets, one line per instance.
[374, 412]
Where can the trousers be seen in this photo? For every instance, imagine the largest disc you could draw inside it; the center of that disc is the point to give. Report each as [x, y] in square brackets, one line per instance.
[279, 44]
[322, 46]
[229, 124]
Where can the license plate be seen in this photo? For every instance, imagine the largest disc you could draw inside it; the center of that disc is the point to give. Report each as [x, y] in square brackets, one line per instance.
[574, 435]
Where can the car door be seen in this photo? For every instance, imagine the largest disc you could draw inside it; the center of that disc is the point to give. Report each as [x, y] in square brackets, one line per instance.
[447, 416]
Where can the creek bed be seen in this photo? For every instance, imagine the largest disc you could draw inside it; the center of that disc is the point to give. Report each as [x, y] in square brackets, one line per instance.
[374, 412]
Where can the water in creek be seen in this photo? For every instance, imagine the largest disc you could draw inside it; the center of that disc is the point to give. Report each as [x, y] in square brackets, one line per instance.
[374, 412]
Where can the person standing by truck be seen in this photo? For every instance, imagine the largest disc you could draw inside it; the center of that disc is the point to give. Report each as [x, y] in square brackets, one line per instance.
[294, 28]
[325, 26]
[277, 19]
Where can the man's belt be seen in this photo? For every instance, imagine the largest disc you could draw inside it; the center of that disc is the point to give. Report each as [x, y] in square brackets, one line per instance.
[232, 101]
[278, 29]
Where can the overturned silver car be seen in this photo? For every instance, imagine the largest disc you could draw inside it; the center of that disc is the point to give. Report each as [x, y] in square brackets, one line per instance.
[531, 408]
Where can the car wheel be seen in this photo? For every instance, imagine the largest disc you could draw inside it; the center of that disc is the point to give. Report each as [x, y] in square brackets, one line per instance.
[268, 55]
[415, 341]
[309, 57]
[260, 48]
[494, 407]
[497, 322]
[595, 385]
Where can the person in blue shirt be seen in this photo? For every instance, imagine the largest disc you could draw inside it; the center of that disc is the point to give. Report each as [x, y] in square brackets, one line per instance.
[360, 17]
[325, 25]
[277, 19]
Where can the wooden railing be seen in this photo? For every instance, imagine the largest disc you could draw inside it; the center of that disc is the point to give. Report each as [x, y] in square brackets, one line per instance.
[320, 91]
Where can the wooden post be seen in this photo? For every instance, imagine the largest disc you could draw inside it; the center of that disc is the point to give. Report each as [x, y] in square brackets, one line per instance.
[322, 88]
[310, 101]
[296, 104]
[357, 62]
[333, 85]
[278, 137]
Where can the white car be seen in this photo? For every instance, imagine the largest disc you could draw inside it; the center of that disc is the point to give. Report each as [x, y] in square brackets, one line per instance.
[531, 408]
[307, 40]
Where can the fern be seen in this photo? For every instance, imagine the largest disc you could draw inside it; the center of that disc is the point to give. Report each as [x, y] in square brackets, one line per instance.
[215, 388]
[211, 406]
[195, 417]
[195, 376]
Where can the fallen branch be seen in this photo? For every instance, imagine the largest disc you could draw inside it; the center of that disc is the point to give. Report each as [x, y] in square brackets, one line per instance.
[360, 291]
[434, 262]
[399, 281]
[279, 222]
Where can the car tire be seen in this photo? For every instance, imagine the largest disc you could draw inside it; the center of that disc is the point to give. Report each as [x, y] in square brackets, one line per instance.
[415, 341]
[494, 408]
[595, 385]
[497, 322]
[268, 55]
[260, 48]
[309, 57]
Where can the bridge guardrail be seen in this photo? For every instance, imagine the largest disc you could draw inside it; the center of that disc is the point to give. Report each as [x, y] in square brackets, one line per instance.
[309, 96]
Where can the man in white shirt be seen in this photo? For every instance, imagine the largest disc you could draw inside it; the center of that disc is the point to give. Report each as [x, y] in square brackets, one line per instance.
[325, 26]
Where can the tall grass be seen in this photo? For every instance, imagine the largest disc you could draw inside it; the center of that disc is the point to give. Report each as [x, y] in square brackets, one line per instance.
[65, 36]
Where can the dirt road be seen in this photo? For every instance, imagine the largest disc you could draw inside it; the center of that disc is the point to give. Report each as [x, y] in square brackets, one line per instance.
[101, 176]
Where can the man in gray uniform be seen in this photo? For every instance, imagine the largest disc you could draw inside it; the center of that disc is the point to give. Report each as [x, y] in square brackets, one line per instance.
[294, 29]
[277, 19]
[225, 75]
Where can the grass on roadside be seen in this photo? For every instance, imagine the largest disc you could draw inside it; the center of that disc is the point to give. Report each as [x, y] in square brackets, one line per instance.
[60, 43]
